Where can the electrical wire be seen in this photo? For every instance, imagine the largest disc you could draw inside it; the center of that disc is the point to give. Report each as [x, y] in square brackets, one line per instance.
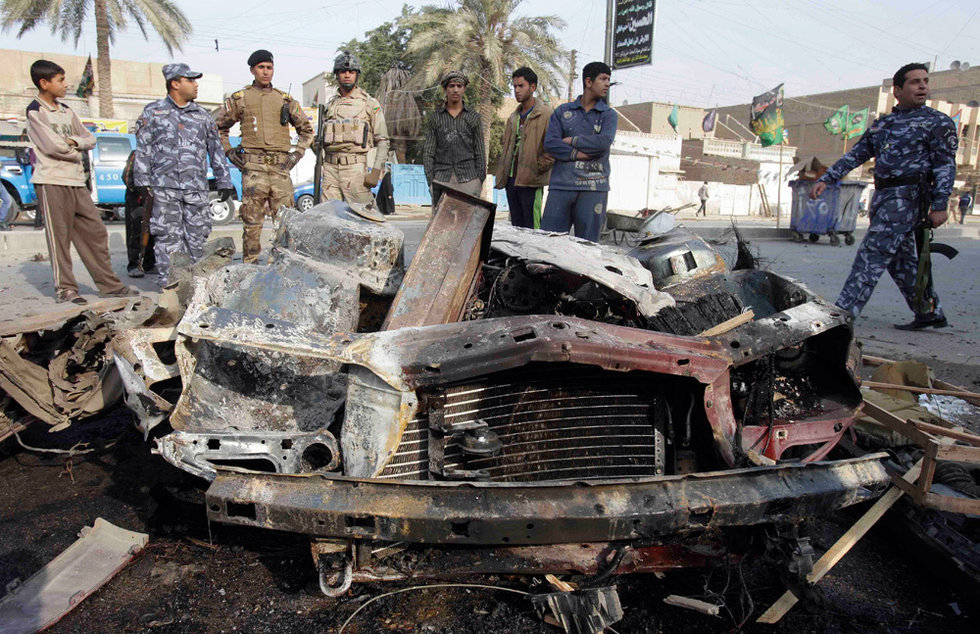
[435, 585]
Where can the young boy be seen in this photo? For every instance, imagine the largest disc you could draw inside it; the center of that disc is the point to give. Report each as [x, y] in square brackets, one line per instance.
[59, 140]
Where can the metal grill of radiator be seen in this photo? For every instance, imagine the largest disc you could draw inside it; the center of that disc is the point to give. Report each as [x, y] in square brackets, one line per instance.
[556, 422]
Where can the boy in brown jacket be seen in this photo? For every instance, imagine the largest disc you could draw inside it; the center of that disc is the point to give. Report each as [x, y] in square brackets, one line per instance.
[524, 168]
[59, 140]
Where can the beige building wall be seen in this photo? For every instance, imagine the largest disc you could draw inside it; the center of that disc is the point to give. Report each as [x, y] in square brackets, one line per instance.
[134, 84]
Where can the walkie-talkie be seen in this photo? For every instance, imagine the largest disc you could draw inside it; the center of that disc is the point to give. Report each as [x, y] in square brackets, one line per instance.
[284, 111]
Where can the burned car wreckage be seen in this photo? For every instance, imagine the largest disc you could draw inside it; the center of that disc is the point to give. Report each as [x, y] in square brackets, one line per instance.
[516, 401]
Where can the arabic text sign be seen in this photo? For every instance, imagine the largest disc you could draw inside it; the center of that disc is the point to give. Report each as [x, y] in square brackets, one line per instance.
[632, 39]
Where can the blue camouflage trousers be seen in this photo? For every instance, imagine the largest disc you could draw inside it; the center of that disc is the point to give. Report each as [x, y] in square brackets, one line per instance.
[889, 244]
[180, 223]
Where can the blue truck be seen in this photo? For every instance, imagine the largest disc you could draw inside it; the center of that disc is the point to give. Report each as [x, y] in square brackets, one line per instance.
[107, 161]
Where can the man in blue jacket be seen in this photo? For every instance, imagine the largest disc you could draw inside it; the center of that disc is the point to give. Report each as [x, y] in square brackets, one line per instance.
[579, 136]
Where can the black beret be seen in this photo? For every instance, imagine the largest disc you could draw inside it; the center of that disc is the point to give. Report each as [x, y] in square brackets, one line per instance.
[258, 57]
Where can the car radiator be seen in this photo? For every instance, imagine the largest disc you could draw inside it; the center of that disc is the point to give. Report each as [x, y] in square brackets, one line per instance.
[544, 422]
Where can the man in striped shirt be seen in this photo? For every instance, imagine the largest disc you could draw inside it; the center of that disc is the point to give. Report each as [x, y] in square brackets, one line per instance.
[453, 152]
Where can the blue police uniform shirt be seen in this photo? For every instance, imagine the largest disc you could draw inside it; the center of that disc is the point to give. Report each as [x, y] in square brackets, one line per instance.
[173, 145]
[591, 132]
[905, 143]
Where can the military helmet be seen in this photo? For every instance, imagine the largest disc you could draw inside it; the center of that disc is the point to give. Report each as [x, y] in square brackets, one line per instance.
[346, 61]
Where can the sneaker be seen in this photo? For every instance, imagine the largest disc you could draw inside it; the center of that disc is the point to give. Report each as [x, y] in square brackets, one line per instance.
[125, 291]
[135, 272]
[924, 321]
[68, 295]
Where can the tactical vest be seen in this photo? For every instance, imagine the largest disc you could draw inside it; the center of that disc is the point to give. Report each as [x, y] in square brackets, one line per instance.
[260, 125]
[348, 124]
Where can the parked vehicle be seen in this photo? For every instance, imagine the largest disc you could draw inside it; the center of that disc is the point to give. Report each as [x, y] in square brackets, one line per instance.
[107, 161]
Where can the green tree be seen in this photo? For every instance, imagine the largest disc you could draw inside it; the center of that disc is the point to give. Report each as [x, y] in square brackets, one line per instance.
[381, 49]
[66, 17]
[485, 40]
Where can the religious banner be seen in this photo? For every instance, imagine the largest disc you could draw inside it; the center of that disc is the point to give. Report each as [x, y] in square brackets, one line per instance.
[709, 121]
[856, 124]
[672, 118]
[837, 122]
[87, 83]
[632, 36]
[766, 116]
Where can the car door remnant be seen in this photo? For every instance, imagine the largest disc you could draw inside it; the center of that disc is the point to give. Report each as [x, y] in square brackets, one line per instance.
[535, 404]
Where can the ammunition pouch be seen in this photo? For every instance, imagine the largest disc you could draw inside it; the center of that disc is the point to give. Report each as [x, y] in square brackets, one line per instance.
[343, 131]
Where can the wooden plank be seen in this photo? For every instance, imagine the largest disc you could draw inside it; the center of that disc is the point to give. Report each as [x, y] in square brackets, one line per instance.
[919, 390]
[729, 324]
[843, 545]
[949, 386]
[951, 504]
[893, 422]
[874, 362]
[960, 454]
[957, 434]
[693, 604]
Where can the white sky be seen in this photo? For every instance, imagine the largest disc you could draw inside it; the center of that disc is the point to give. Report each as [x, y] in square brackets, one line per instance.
[706, 52]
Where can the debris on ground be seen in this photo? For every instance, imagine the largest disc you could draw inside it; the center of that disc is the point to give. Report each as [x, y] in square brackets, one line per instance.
[101, 551]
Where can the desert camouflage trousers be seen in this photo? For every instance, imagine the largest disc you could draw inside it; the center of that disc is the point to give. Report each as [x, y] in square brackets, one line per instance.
[180, 223]
[888, 245]
[264, 190]
[345, 182]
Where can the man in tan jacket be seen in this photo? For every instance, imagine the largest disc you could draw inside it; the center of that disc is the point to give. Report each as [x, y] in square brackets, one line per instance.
[523, 167]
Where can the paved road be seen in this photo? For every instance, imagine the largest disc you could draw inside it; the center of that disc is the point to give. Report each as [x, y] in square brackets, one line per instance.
[26, 288]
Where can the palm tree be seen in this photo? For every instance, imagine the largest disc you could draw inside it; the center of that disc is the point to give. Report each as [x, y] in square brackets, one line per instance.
[487, 42]
[66, 17]
[401, 112]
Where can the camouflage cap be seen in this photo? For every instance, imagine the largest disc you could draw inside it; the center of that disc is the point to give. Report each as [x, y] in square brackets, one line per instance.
[454, 75]
[173, 71]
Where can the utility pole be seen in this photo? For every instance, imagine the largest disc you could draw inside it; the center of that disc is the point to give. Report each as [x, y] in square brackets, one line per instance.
[572, 75]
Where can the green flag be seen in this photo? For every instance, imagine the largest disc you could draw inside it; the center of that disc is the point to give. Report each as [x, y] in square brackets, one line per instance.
[766, 116]
[87, 83]
[837, 122]
[672, 118]
[856, 124]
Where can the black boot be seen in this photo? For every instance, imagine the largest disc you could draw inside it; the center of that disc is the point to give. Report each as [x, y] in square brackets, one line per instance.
[929, 320]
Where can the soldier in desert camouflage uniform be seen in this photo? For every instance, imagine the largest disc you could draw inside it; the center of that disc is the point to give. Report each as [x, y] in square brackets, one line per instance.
[354, 125]
[175, 138]
[914, 148]
[266, 153]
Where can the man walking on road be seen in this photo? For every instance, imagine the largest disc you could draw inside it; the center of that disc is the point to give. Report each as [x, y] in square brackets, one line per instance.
[914, 148]
[174, 139]
[579, 136]
[523, 167]
[965, 205]
[703, 196]
[354, 125]
[453, 151]
[266, 153]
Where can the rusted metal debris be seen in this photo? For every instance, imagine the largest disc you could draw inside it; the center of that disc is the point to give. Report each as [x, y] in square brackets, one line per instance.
[532, 394]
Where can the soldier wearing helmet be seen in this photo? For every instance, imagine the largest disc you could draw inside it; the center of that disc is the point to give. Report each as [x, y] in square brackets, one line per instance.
[354, 125]
[266, 153]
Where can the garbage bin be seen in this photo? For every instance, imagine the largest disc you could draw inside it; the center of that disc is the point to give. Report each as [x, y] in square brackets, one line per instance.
[833, 213]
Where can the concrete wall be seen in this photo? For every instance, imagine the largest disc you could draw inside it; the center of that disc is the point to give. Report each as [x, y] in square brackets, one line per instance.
[134, 84]
[651, 118]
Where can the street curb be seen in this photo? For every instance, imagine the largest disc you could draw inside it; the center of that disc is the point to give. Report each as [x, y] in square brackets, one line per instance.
[25, 242]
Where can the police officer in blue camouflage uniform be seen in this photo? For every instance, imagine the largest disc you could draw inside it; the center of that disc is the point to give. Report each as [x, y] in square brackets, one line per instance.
[175, 138]
[914, 148]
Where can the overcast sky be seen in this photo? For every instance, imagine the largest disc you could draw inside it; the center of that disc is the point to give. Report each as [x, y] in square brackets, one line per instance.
[706, 52]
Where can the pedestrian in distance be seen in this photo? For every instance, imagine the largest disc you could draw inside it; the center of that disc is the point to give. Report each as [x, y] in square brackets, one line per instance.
[354, 126]
[139, 258]
[965, 205]
[453, 151]
[70, 216]
[176, 139]
[914, 148]
[579, 136]
[266, 153]
[524, 168]
[703, 196]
